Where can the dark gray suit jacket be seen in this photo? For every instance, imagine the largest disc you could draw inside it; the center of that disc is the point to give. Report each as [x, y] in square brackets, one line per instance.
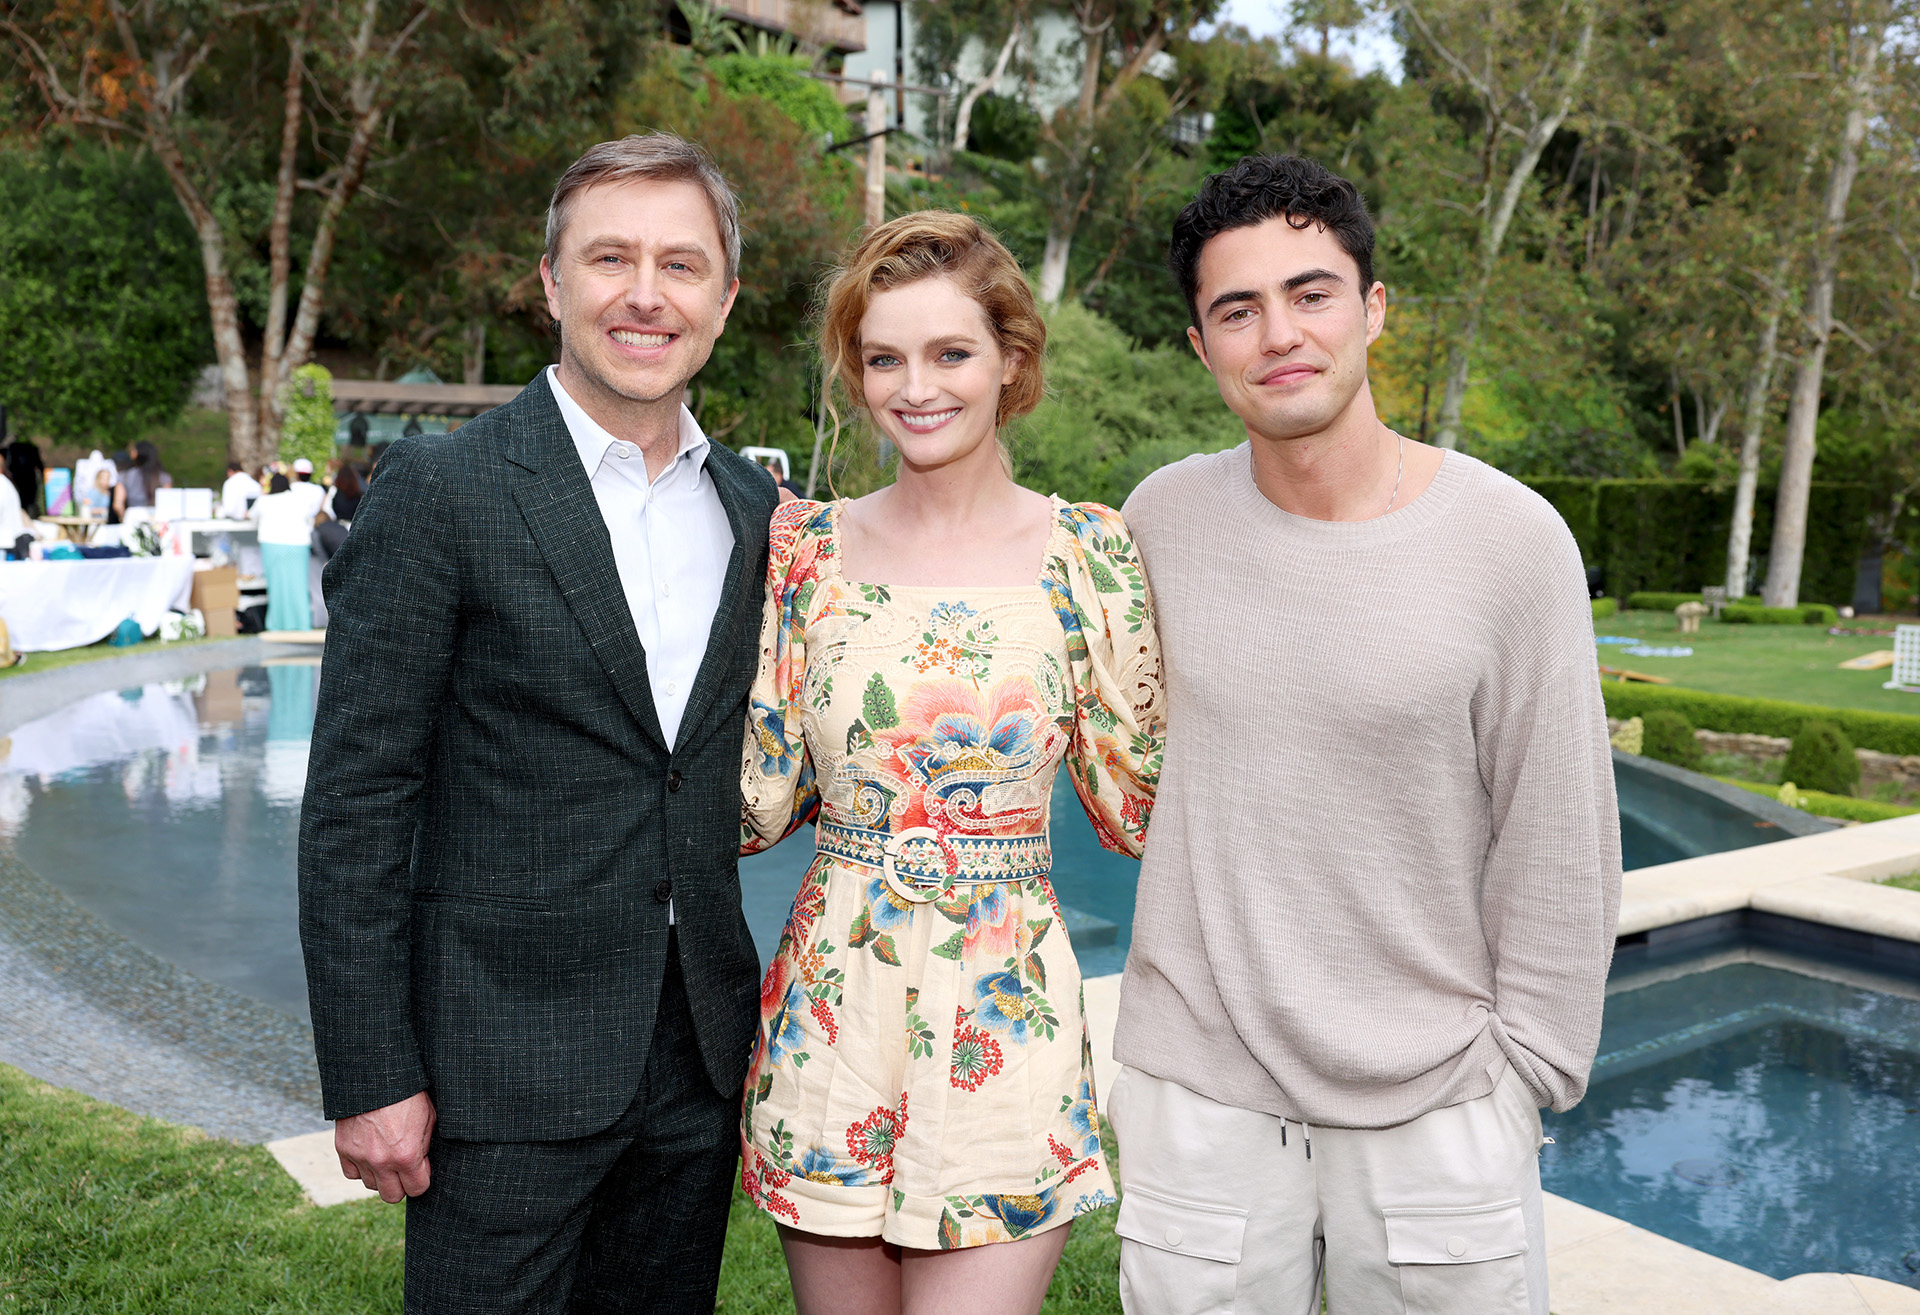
[494, 823]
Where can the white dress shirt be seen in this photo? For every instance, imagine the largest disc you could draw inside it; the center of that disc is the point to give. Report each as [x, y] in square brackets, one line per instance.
[671, 544]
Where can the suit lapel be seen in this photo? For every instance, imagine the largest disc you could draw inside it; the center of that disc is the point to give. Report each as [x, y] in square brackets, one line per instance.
[738, 595]
[561, 513]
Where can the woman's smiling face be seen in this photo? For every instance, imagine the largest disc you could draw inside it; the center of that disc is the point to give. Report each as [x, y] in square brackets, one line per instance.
[932, 370]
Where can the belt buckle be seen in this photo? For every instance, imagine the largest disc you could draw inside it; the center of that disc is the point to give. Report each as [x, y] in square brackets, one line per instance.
[890, 874]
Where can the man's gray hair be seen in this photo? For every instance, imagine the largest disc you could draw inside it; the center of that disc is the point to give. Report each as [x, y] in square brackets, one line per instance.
[656, 157]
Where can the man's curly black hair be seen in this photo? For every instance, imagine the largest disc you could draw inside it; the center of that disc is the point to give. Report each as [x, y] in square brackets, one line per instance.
[1263, 187]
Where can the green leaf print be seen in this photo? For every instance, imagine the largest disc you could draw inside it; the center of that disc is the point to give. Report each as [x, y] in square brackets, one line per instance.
[765, 1088]
[956, 906]
[899, 1200]
[875, 593]
[1037, 971]
[950, 948]
[1039, 927]
[877, 703]
[1102, 578]
[824, 696]
[862, 930]
[949, 1232]
[857, 737]
[883, 951]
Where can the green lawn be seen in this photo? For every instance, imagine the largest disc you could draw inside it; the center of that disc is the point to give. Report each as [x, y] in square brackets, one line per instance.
[1797, 663]
[67, 657]
[104, 1211]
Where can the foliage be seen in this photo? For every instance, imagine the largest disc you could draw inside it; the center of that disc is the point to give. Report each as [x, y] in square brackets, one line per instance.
[1822, 759]
[1667, 735]
[1645, 601]
[1753, 614]
[102, 310]
[1115, 412]
[308, 424]
[781, 79]
[1842, 807]
[1888, 732]
[1605, 607]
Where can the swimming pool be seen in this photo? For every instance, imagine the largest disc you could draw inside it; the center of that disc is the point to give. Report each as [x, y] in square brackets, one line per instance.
[171, 811]
[1749, 1101]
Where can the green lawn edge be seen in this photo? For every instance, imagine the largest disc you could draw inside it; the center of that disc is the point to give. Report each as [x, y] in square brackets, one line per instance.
[69, 657]
[1844, 807]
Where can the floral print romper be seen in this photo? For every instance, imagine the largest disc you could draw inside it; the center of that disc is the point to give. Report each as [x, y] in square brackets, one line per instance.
[921, 1071]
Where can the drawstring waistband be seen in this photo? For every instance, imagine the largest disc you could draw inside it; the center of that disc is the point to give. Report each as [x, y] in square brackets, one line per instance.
[1306, 1134]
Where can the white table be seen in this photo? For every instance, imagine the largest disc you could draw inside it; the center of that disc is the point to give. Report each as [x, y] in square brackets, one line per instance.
[49, 605]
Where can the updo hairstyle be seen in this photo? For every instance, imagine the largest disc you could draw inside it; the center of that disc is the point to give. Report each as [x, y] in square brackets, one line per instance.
[929, 244]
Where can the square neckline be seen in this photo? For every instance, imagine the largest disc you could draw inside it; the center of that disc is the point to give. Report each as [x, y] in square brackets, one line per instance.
[1041, 580]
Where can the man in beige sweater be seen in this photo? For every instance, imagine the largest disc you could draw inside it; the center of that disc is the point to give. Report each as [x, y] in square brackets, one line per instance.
[1379, 895]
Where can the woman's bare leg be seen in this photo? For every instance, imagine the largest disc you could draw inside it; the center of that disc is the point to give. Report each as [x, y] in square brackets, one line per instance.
[842, 1275]
[1007, 1278]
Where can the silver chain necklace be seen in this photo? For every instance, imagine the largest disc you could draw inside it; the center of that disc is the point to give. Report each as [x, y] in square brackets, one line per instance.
[1402, 474]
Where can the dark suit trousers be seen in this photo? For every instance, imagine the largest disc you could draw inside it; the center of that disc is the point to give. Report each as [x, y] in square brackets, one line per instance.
[625, 1222]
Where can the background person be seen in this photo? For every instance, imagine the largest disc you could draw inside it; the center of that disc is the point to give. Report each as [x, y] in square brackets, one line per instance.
[930, 655]
[239, 491]
[285, 523]
[142, 477]
[1380, 898]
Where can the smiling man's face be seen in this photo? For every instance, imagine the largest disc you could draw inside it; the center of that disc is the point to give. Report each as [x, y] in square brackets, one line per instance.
[1285, 327]
[640, 289]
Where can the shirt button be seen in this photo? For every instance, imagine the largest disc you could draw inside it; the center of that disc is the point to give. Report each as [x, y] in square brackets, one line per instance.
[621, 452]
[663, 890]
[666, 589]
[1456, 1247]
[1173, 1237]
[673, 687]
[673, 781]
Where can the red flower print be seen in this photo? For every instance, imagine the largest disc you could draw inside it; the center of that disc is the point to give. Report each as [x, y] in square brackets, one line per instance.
[871, 1140]
[976, 1057]
[1132, 809]
[824, 1016]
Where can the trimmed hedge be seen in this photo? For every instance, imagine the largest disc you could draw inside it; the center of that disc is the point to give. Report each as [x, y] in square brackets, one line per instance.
[1653, 602]
[1662, 534]
[1667, 736]
[1807, 614]
[1830, 805]
[1822, 759]
[1888, 732]
[1605, 607]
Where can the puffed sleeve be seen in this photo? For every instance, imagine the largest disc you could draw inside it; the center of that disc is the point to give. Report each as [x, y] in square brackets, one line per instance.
[1101, 596]
[776, 773]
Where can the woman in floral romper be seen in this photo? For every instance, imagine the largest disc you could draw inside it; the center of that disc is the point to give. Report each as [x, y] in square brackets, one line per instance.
[922, 1083]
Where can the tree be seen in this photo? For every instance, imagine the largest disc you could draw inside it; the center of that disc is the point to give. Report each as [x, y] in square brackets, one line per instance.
[1861, 33]
[1522, 67]
[101, 312]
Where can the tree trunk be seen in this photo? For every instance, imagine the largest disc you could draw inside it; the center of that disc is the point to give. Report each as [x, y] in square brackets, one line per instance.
[963, 119]
[1785, 559]
[1053, 262]
[474, 364]
[1493, 229]
[1753, 419]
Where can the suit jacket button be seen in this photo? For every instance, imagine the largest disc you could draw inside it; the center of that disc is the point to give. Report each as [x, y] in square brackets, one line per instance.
[663, 891]
[673, 781]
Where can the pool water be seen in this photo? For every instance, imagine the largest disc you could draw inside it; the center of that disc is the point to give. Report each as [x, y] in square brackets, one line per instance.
[1759, 1105]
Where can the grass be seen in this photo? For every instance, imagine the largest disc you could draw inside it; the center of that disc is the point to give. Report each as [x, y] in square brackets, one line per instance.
[105, 1211]
[67, 657]
[1905, 881]
[1821, 804]
[1798, 663]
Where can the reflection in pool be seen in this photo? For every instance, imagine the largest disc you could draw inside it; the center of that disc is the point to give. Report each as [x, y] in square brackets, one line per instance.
[1758, 1105]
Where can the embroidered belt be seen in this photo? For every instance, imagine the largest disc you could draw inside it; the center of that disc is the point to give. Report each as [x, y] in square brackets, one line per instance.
[920, 865]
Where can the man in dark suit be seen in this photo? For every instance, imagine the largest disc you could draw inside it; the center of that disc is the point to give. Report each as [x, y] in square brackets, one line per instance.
[533, 989]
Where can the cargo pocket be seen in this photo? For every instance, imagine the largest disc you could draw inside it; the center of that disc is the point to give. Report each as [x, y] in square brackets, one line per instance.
[1465, 1261]
[1185, 1256]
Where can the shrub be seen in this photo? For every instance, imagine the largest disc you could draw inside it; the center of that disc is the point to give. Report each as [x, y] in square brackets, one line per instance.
[1830, 805]
[307, 428]
[1605, 607]
[1667, 736]
[1822, 759]
[1645, 601]
[1888, 732]
[1806, 614]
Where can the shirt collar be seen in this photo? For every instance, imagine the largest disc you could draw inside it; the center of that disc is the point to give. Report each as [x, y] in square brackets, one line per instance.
[593, 442]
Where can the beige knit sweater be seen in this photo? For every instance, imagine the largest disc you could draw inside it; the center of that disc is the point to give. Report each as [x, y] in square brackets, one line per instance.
[1385, 854]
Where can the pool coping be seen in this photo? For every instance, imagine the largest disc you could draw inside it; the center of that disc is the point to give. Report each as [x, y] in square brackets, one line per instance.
[39, 693]
[1794, 821]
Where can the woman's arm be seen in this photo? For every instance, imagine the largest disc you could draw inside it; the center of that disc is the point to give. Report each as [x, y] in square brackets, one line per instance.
[777, 788]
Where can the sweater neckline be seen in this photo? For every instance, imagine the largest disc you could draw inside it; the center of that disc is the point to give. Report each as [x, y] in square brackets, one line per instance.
[1456, 469]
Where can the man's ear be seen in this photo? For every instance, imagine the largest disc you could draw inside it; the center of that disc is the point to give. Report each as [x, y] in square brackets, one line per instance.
[726, 307]
[1376, 311]
[1199, 345]
[551, 282]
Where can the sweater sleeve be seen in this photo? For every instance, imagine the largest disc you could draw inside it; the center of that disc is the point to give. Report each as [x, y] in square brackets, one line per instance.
[777, 788]
[1119, 733]
[1551, 882]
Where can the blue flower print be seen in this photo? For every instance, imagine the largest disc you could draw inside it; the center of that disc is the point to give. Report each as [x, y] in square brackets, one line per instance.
[1022, 1214]
[1001, 1005]
[784, 1033]
[820, 1165]
[885, 909]
[1080, 1118]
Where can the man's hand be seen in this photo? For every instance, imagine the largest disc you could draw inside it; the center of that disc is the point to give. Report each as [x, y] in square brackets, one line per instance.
[387, 1148]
